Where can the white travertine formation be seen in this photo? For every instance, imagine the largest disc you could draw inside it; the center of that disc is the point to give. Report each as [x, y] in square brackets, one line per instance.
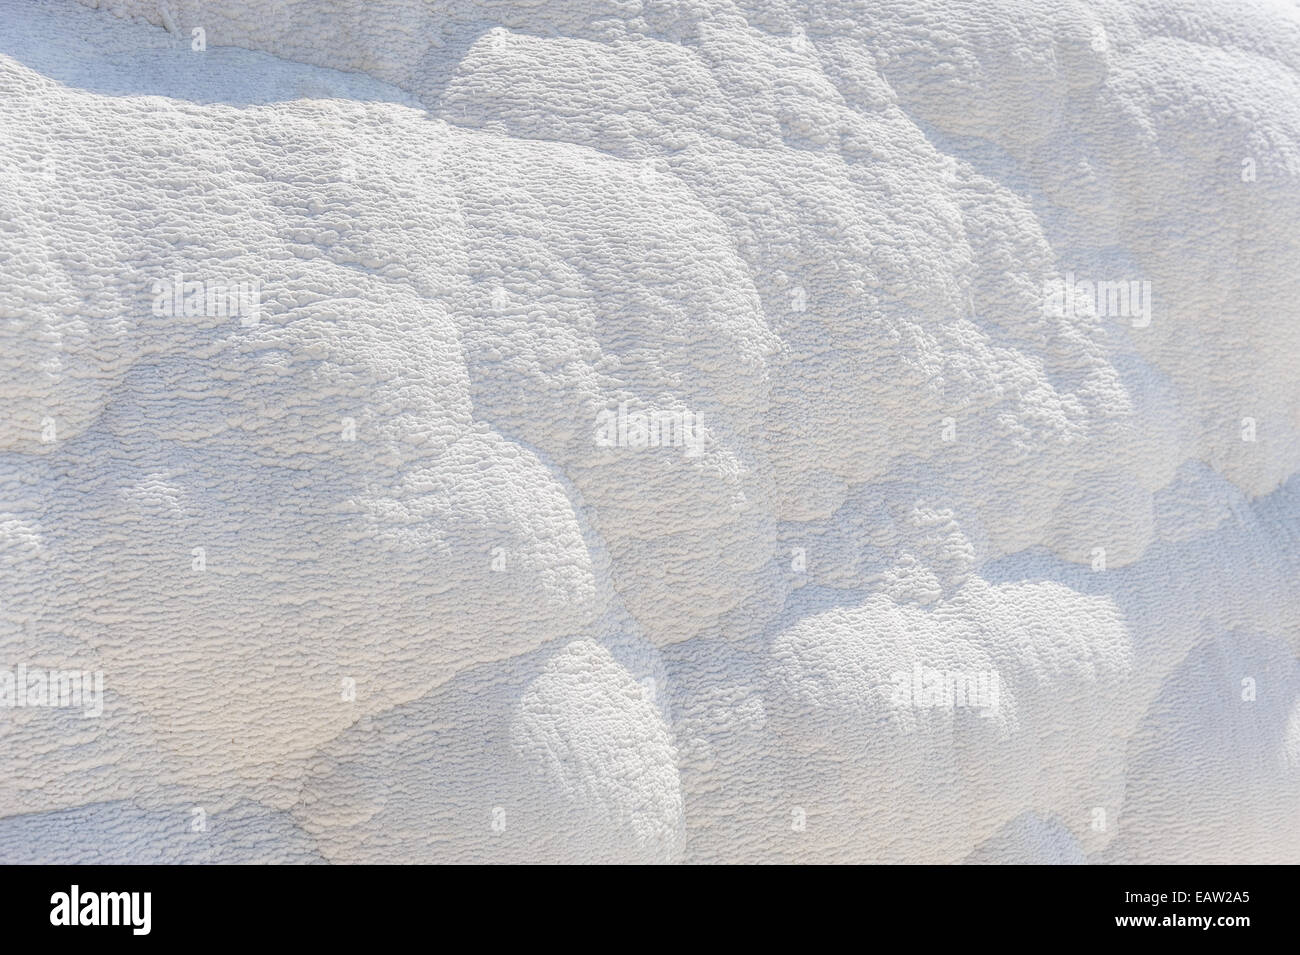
[945, 561]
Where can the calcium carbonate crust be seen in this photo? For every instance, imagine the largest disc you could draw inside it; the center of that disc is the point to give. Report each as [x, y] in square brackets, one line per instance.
[434, 619]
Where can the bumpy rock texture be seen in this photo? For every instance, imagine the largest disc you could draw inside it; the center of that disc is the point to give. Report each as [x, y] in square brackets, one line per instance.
[364, 581]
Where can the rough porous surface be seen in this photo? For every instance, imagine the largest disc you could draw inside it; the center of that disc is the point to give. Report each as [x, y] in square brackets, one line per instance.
[945, 566]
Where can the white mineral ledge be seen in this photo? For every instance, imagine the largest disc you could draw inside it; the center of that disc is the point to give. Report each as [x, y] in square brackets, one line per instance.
[650, 432]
